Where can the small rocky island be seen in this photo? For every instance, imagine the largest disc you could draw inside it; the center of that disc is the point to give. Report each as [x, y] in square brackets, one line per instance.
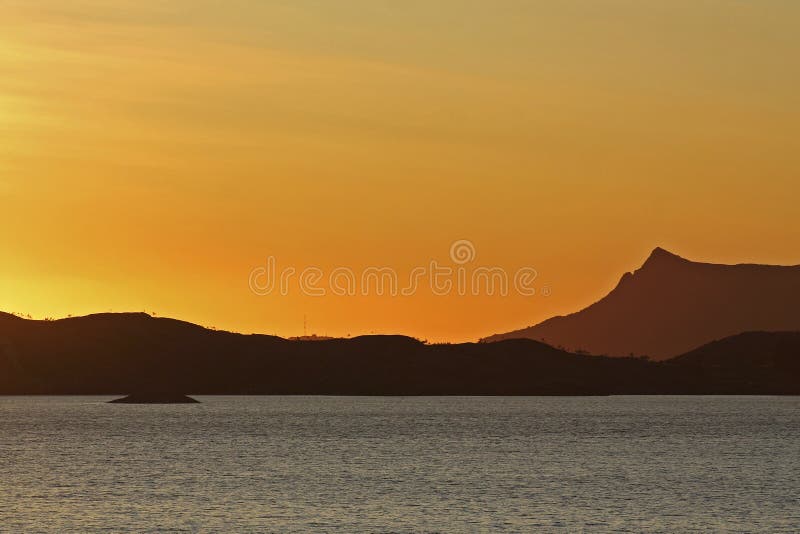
[155, 398]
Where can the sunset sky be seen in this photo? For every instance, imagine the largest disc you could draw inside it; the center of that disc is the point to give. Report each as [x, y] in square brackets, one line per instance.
[152, 154]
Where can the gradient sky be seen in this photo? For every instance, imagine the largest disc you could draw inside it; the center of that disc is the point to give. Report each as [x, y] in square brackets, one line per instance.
[153, 153]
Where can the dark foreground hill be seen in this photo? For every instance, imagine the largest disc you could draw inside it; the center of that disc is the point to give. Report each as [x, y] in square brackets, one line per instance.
[672, 305]
[747, 361]
[136, 353]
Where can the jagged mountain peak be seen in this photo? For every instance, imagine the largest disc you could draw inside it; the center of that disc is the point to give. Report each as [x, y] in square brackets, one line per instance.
[661, 256]
[671, 305]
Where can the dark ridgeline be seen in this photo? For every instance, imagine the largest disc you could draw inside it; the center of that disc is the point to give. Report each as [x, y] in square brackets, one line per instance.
[124, 353]
[671, 305]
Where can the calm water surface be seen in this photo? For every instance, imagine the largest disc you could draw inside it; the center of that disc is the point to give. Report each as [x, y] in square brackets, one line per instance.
[348, 464]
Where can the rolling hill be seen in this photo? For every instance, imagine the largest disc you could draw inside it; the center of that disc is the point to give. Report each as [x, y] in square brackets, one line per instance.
[130, 353]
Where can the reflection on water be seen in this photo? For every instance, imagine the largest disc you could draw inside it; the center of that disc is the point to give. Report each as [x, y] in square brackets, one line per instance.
[401, 464]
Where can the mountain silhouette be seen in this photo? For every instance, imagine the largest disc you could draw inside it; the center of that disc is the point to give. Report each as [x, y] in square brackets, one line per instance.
[748, 360]
[672, 305]
[159, 359]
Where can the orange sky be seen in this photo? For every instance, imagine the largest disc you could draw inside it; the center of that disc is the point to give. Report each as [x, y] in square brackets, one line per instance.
[152, 154]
